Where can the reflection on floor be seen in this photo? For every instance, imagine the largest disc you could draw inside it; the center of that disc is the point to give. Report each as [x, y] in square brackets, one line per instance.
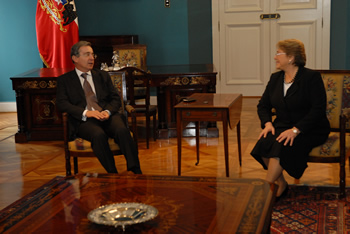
[24, 167]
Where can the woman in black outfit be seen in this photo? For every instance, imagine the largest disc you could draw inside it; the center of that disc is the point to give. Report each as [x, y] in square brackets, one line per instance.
[295, 98]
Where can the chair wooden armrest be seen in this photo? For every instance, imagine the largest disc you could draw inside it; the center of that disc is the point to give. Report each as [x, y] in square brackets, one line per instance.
[130, 109]
[132, 114]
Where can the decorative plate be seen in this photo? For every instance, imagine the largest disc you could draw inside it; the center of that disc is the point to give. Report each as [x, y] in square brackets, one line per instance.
[122, 214]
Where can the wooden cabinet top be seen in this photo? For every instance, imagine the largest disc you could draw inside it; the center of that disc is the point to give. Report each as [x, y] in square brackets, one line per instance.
[42, 73]
[166, 70]
[162, 75]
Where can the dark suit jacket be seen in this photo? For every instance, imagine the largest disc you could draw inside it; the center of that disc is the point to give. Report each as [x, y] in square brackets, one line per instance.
[304, 105]
[71, 98]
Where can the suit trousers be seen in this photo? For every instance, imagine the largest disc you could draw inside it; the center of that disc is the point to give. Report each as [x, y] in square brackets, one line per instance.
[98, 132]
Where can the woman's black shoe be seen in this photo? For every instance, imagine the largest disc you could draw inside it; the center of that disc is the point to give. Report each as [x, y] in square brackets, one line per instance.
[283, 194]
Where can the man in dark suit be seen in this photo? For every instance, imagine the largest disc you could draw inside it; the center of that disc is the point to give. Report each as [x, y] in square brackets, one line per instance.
[92, 102]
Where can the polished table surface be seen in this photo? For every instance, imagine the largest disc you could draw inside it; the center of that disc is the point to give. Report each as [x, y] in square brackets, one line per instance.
[185, 204]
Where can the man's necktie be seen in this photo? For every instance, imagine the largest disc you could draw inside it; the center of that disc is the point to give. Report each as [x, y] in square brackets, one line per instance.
[90, 95]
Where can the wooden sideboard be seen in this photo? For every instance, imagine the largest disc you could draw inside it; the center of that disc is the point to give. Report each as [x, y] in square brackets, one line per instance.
[39, 119]
[37, 115]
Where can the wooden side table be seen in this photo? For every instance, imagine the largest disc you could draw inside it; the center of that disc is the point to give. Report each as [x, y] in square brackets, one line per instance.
[210, 107]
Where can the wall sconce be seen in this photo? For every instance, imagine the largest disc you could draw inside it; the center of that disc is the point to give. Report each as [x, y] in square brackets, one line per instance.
[167, 3]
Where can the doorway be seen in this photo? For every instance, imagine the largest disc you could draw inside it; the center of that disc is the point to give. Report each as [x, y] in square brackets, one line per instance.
[245, 34]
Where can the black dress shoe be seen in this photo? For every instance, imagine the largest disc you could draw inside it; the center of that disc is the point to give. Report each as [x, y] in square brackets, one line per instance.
[283, 194]
[136, 171]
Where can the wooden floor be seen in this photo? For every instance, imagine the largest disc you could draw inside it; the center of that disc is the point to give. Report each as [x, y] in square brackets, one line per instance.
[24, 167]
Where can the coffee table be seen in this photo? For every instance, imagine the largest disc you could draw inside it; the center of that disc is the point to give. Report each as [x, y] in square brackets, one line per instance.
[210, 107]
[184, 204]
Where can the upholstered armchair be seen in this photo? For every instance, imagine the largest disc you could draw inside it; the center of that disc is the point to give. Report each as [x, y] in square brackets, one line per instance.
[82, 148]
[336, 148]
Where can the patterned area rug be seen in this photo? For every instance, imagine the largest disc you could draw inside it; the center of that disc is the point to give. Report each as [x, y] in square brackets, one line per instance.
[308, 209]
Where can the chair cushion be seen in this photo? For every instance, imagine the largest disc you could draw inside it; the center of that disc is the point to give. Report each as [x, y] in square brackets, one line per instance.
[331, 147]
[82, 145]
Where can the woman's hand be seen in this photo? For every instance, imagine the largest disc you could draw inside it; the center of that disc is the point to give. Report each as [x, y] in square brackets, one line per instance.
[287, 136]
[268, 128]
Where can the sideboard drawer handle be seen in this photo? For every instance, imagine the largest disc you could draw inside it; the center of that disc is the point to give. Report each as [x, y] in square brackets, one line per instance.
[215, 114]
[188, 113]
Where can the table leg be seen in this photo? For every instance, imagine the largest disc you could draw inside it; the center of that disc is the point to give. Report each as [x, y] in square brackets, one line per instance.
[225, 132]
[197, 141]
[239, 142]
[179, 135]
[21, 135]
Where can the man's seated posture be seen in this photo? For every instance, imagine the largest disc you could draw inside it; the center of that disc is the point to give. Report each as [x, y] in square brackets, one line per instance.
[93, 104]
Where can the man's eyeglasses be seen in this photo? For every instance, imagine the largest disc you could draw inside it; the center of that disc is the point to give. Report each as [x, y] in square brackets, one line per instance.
[279, 54]
[88, 54]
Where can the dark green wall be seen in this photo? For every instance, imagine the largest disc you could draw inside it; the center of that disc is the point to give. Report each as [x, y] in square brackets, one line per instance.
[180, 34]
[340, 35]
[199, 35]
[19, 51]
[163, 30]
[177, 35]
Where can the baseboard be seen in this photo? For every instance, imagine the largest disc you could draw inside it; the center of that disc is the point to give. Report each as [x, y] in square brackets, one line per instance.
[8, 107]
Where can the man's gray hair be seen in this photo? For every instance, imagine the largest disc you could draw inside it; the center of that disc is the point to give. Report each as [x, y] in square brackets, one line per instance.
[76, 47]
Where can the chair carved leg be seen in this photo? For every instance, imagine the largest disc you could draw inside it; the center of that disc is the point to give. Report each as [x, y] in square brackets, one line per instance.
[342, 181]
[155, 127]
[75, 159]
[147, 130]
[342, 121]
[68, 165]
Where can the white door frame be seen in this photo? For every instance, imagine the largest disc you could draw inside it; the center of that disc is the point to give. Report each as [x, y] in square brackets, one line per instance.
[216, 38]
